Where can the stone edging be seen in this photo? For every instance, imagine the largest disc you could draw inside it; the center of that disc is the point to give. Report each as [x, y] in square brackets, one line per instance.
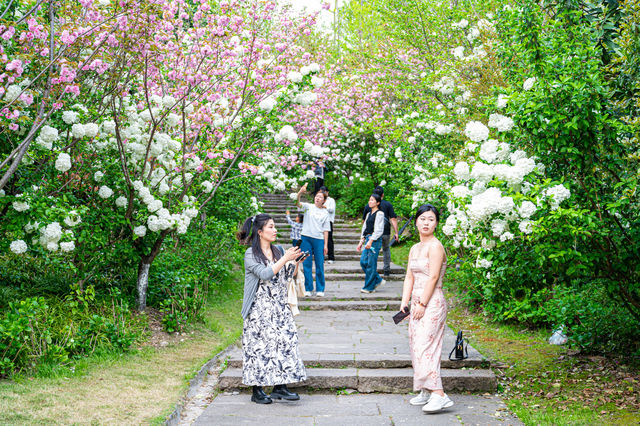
[194, 384]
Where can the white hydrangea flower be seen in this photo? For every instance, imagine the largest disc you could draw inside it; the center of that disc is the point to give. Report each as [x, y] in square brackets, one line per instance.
[460, 25]
[68, 246]
[294, 77]
[528, 83]
[63, 162]
[305, 98]
[476, 131]
[558, 194]
[48, 134]
[461, 170]
[482, 172]
[502, 101]
[20, 206]
[70, 117]
[168, 101]
[105, 192]
[267, 104]
[317, 81]
[500, 122]
[121, 201]
[78, 131]
[506, 236]
[286, 133]
[489, 151]
[72, 219]
[2, 193]
[140, 231]
[18, 246]
[483, 263]
[154, 206]
[12, 93]
[91, 130]
[109, 127]
[460, 191]
[474, 33]
[526, 227]
[458, 52]
[498, 226]
[97, 176]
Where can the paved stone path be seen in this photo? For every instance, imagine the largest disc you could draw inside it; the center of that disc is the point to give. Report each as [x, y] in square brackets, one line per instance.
[357, 409]
[351, 348]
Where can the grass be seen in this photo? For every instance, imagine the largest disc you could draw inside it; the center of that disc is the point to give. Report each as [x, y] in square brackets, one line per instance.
[139, 387]
[541, 383]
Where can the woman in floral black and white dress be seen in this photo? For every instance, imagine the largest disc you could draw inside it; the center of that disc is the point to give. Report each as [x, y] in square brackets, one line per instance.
[269, 337]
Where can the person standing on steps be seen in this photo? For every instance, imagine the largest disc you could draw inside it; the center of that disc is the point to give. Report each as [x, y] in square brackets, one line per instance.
[270, 355]
[371, 237]
[315, 239]
[427, 264]
[390, 220]
[296, 228]
[330, 205]
[318, 172]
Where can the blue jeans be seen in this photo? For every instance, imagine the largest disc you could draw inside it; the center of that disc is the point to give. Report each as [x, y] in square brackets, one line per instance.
[315, 246]
[369, 264]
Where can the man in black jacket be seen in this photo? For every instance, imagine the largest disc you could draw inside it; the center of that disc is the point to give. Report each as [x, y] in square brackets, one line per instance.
[390, 220]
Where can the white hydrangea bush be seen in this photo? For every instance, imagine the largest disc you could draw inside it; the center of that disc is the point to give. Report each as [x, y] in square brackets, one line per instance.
[492, 191]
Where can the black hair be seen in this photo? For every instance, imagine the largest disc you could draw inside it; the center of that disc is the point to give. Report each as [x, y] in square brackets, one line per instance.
[323, 188]
[426, 208]
[301, 217]
[248, 235]
[377, 197]
[378, 190]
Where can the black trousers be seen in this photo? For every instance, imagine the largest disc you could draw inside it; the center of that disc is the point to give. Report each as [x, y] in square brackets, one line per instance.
[316, 186]
[331, 255]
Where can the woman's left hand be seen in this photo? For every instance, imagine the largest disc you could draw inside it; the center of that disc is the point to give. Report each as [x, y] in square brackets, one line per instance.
[418, 311]
[368, 246]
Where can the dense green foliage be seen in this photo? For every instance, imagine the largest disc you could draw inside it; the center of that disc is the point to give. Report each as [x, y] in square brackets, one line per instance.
[48, 319]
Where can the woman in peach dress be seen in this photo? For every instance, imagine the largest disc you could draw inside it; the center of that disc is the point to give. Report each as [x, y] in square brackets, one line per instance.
[423, 287]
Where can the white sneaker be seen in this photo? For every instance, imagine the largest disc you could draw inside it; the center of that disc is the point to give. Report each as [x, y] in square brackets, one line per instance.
[329, 262]
[320, 294]
[423, 397]
[437, 403]
[307, 294]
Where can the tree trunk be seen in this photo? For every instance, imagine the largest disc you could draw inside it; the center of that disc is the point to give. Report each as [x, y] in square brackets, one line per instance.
[143, 283]
[143, 270]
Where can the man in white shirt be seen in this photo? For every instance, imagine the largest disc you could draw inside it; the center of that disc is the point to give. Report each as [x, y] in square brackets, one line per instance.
[330, 205]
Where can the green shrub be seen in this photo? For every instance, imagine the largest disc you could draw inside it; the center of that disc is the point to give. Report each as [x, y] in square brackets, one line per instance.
[593, 321]
[36, 330]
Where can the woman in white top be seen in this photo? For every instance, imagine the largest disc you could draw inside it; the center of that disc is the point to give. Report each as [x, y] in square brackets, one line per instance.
[371, 237]
[315, 240]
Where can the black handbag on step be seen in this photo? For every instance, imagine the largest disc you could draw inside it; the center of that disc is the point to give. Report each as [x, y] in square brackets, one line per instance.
[460, 349]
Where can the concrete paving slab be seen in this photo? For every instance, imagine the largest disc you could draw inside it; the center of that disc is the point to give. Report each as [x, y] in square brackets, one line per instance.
[355, 409]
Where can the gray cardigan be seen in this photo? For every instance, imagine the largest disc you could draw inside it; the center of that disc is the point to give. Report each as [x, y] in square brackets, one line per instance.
[254, 271]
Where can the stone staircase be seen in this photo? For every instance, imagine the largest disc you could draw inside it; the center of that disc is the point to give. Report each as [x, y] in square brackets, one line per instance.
[348, 339]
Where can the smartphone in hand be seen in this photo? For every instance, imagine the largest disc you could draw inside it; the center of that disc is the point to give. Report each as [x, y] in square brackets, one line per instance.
[302, 256]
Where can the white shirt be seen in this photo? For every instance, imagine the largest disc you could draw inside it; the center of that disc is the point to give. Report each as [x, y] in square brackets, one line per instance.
[330, 204]
[316, 221]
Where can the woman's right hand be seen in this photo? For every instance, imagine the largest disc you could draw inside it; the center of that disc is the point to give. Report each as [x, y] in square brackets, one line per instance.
[292, 253]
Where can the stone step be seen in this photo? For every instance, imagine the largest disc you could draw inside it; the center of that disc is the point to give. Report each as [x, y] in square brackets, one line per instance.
[353, 267]
[347, 305]
[366, 380]
[356, 276]
[350, 290]
[358, 360]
